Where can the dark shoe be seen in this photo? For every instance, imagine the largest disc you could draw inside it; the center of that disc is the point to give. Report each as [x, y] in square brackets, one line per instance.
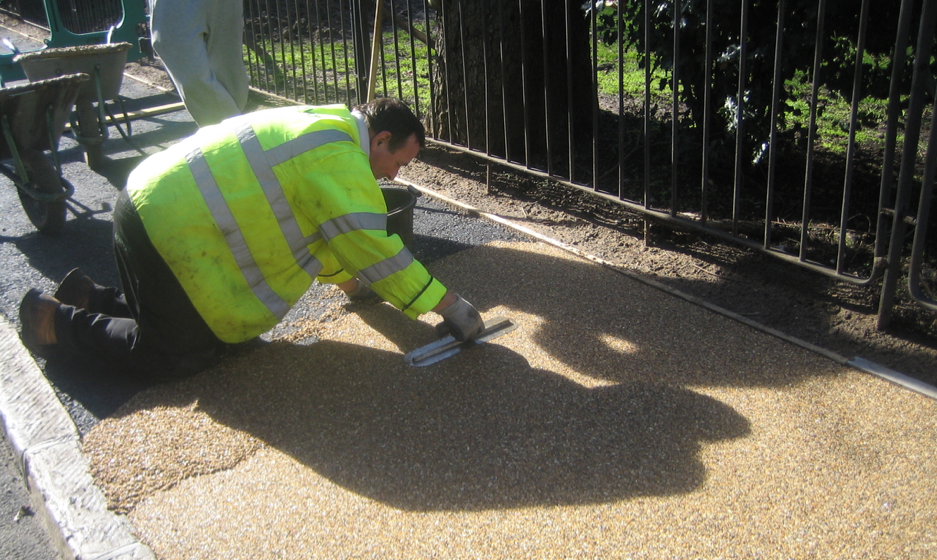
[75, 289]
[37, 316]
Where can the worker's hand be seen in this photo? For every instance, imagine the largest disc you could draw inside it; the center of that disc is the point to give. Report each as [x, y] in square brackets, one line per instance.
[462, 320]
[362, 292]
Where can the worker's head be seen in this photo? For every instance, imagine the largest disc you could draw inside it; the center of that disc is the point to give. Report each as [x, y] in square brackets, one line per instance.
[396, 135]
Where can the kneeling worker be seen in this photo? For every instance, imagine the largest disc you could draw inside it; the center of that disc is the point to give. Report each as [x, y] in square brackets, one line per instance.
[217, 237]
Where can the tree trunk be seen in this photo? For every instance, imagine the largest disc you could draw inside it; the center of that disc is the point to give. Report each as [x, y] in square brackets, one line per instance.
[503, 88]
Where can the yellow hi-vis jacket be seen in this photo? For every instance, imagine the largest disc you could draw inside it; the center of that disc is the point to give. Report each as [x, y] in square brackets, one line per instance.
[247, 213]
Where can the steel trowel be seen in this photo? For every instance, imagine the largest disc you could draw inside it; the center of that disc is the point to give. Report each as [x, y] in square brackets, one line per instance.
[449, 346]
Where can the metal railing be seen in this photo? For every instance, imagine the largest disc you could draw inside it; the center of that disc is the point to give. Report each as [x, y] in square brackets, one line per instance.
[27, 10]
[799, 217]
[524, 84]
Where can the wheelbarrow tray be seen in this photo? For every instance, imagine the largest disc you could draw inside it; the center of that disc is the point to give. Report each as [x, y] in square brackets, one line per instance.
[25, 108]
[109, 60]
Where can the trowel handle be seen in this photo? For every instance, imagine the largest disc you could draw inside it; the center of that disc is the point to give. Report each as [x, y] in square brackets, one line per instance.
[9, 44]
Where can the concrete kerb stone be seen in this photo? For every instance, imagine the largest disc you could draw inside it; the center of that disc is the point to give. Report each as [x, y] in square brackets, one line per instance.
[47, 448]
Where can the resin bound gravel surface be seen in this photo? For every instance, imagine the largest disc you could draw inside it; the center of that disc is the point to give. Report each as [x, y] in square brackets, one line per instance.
[617, 421]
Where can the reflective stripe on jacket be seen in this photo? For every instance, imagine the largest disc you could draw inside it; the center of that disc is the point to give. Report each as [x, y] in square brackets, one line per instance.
[249, 212]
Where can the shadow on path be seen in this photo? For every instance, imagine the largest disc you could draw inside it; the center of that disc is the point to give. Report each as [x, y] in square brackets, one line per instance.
[497, 435]
[487, 429]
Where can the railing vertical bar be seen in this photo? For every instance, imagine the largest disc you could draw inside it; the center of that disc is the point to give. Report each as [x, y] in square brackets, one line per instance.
[571, 122]
[922, 78]
[266, 68]
[379, 37]
[594, 101]
[358, 66]
[252, 57]
[445, 70]
[899, 58]
[429, 65]
[707, 112]
[851, 146]
[293, 55]
[325, 66]
[484, 32]
[546, 90]
[647, 103]
[271, 69]
[413, 71]
[524, 84]
[465, 79]
[812, 132]
[349, 72]
[367, 26]
[675, 109]
[740, 159]
[328, 16]
[773, 135]
[621, 104]
[361, 52]
[393, 25]
[921, 224]
[282, 50]
[312, 50]
[302, 53]
[504, 88]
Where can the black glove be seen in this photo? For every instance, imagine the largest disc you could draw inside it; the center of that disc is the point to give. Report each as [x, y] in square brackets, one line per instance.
[462, 319]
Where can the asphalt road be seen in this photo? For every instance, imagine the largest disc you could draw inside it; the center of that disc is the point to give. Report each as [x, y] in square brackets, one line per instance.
[31, 259]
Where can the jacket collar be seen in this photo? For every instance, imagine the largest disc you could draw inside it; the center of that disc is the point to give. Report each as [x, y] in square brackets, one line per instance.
[364, 137]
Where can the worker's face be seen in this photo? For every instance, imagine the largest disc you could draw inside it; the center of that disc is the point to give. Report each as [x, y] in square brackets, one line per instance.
[384, 163]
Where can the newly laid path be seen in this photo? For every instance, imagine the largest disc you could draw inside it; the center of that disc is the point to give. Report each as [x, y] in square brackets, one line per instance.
[618, 421]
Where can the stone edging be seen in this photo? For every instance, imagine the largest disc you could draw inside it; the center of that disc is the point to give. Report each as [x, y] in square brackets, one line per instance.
[48, 451]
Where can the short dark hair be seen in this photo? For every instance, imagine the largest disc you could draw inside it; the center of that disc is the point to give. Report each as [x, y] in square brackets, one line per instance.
[393, 115]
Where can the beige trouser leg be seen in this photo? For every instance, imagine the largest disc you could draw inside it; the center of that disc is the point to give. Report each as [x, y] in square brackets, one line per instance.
[200, 42]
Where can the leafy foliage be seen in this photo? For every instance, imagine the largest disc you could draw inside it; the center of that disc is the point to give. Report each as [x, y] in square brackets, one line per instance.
[747, 103]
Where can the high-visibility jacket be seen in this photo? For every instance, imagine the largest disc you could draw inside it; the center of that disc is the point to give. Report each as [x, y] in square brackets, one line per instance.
[247, 213]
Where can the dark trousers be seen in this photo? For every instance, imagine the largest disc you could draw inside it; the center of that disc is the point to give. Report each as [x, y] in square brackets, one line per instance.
[150, 328]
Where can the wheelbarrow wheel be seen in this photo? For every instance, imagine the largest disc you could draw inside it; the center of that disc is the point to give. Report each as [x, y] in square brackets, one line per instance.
[47, 216]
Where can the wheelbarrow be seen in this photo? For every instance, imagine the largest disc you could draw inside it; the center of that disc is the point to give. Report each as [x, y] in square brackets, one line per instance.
[32, 118]
[105, 65]
[131, 28]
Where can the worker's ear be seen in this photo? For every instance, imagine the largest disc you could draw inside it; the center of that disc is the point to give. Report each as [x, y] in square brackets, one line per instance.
[381, 140]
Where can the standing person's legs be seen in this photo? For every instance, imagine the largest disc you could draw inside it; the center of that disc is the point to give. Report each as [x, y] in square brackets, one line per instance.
[165, 338]
[226, 49]
[200, 42]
